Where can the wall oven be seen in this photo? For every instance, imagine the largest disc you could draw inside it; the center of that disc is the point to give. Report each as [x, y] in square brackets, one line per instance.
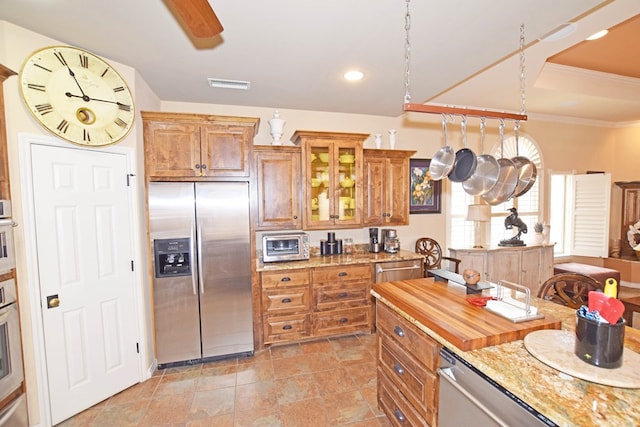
[7, 255]
[11, 373]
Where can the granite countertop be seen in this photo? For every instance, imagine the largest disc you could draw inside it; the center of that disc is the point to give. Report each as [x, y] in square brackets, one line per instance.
[360, 256]
[565, 400]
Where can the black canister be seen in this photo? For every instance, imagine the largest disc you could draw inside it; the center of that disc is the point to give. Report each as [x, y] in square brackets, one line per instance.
[598, 343]
[324, 248]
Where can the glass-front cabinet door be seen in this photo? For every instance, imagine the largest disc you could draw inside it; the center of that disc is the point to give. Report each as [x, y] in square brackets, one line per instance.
[332, 167]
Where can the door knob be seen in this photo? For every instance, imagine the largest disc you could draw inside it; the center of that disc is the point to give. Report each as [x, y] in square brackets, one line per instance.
[53, 301]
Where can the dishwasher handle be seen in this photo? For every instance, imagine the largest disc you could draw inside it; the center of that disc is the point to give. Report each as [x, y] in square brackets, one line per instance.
[381, 270]
[447, 375]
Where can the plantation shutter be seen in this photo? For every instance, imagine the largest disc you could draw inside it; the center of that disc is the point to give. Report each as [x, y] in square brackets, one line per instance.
[590, 201]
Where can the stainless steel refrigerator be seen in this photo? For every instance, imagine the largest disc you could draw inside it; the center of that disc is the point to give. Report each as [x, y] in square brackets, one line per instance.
[202, 273]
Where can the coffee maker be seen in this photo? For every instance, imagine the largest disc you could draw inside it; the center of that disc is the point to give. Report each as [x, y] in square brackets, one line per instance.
[390, 242]
[374, 243]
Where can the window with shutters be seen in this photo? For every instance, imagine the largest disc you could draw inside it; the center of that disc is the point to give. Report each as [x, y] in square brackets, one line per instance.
[579, 214]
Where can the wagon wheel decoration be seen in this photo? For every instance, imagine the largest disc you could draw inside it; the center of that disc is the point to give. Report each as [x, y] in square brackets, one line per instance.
[431, 251]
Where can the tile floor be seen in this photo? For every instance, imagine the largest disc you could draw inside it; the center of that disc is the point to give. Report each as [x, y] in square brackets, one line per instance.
[329, 382]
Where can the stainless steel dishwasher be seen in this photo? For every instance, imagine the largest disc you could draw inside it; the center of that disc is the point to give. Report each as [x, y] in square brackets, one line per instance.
[398, 270]
[468, 397]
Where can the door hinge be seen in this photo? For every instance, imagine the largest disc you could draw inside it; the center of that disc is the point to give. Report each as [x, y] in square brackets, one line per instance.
[138, 348]
[132, 269]
[129, 175]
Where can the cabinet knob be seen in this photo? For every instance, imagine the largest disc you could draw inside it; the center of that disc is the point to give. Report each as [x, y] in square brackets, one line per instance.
[203, 166]
[286, 300]
[399, 415]
[295, 217]
[198, 166]
[343, 320]
[286, 327]
[285, 279]
[398, 368]
[398, 330]
[342, 295]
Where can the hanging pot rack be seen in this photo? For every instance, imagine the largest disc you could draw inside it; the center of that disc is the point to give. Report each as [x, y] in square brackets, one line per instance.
[408, 106]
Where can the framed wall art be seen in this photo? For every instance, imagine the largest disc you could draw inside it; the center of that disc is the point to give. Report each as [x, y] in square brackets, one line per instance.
[424, 192]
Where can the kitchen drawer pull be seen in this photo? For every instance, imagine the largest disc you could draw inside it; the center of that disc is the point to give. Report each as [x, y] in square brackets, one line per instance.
[287, 327]
[285, 279]
[286, 300]
[399, 415]
[343, 295]
[398, 368]
[344, 320]
[398, 330]
[342, 274]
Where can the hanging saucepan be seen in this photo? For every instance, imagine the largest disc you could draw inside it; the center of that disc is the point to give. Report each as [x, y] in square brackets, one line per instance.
[527, 171]
[486, 173]
[507, 178]
[466, 160]
[442, 161]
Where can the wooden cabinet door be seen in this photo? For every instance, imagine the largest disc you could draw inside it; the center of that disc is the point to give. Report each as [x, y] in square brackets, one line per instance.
[172, 149]
[503, 265]
[225, 150]
[397, 187]
[278, 185]
[386, 187]
[530, 275]
[374, 204]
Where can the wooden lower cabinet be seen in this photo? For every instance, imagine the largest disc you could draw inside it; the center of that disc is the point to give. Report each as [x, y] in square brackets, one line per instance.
[316, 302]
[407, 364]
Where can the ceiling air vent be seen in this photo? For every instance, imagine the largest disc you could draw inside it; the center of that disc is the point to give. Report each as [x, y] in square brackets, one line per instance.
[229, 84]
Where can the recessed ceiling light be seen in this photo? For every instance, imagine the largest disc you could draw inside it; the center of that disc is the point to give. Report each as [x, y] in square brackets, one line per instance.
[229, 84]
[353, 75]
[598, 35]
[560, 32]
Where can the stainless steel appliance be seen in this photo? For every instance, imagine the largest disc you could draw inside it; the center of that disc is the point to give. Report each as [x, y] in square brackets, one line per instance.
[7, 254]
[468, 397]
[398, 270]
[202, 273]
[13, 411]
[5, 209]
[285, 247]
[390, 242]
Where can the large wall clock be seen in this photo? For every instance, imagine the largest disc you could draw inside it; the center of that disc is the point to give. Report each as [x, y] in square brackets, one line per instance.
[77, 95]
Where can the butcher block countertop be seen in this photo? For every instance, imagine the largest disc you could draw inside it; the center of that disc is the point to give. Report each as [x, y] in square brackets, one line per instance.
[565, 400]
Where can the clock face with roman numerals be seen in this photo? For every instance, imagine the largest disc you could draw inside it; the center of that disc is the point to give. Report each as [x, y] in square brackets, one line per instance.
[77, 96]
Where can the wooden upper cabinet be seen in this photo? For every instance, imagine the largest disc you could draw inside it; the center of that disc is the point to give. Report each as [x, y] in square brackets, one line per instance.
[277, 175]
[5, 193]
[332, 179]
[386, 187]
[181, 145]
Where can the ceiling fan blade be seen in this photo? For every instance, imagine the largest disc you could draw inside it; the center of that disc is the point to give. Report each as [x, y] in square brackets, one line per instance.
[198, 16]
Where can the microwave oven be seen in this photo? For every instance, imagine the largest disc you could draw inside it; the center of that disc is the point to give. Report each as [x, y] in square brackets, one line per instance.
[285, 247]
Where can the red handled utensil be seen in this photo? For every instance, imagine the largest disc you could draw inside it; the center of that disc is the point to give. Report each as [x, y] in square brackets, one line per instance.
[597, 300]
[612, 310]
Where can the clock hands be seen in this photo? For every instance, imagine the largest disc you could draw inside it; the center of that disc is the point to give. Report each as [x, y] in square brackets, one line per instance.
[87, 99]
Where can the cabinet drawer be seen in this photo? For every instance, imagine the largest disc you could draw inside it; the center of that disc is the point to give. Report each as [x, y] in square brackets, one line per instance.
[399, 411]
[341, 321]
[286, 300]
[332, 298]
[279, 279]
[340, 274]
[411, 339]
[286, 328]
[418, 385]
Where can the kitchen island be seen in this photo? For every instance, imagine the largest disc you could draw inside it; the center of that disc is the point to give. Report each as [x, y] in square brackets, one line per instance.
[565, 400]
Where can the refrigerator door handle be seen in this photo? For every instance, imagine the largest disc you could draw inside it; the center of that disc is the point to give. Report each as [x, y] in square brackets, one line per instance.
[200, 273]
[194, 279]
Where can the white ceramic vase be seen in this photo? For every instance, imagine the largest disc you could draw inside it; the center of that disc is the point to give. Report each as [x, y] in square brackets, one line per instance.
[277, 128]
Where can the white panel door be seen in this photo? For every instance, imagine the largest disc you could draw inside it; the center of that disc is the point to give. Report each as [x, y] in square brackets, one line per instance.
[83, 232]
